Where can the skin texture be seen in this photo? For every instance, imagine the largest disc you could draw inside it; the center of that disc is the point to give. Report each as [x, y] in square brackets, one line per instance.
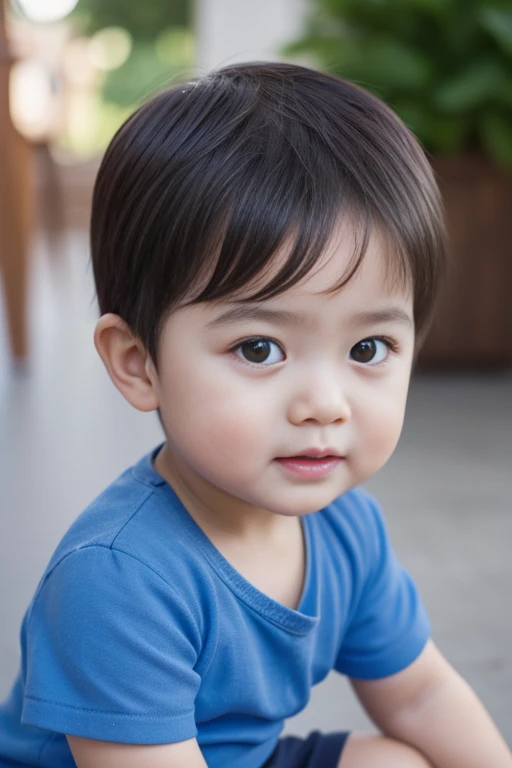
[103, 754]
[227, 420]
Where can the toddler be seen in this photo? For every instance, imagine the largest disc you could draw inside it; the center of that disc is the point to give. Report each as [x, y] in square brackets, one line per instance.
[267, 243]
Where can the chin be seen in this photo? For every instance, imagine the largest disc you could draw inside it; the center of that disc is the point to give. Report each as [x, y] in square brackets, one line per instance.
[305, 505]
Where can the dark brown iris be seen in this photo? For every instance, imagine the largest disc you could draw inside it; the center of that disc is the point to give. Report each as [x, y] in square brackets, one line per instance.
[364, 351]
[256, 351]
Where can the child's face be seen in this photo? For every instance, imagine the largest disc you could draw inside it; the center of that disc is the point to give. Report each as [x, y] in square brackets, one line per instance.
[231, 409]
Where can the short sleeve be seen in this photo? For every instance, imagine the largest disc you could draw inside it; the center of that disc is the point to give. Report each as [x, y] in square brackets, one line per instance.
[388, 626]
[111, 650]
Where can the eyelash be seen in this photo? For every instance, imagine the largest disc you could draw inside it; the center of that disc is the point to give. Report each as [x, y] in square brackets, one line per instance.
[391, 344]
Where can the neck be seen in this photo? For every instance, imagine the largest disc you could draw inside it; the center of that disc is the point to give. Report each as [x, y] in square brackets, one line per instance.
[218, 513]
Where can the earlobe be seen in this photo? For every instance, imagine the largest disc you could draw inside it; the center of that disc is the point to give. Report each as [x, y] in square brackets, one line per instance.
[124, 357]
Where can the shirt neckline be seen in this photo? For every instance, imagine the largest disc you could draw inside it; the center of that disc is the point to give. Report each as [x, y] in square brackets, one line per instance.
[289, 619]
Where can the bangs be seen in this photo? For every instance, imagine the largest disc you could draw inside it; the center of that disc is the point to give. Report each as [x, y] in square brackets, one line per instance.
[265, 251]
[246, 271]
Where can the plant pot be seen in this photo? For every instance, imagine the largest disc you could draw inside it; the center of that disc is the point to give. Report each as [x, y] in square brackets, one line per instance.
[472, 326]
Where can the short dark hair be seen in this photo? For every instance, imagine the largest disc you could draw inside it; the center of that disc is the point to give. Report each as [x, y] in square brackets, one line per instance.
[206, 181]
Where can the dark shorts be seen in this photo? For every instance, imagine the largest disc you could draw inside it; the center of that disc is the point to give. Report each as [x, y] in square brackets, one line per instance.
[319, 750]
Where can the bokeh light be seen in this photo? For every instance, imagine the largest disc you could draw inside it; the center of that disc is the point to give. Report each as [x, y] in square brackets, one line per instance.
[46, 10]
[31, 100]
[110, 47]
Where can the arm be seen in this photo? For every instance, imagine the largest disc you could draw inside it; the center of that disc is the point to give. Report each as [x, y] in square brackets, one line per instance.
[103, 754]
[429, 706]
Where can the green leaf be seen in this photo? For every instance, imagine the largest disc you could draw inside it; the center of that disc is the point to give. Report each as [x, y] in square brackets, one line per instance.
[470, 88]
[503, 92]
[373, 9]
[439, 7]
[373, 63]
[499, 25]
[393, 61]
[440, 133]
[414, 115]
[496, 133]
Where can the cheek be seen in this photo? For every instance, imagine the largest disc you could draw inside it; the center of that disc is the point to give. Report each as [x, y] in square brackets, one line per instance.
[387, 431]
[215, 417]
[381, 420]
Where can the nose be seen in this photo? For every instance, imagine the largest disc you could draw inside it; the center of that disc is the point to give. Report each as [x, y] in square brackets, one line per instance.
[320, 398]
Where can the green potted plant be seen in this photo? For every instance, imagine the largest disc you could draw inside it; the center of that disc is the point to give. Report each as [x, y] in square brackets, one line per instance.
[445, 66]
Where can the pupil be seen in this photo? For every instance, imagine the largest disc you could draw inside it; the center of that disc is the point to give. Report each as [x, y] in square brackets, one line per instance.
[256, 351]
[365, 351]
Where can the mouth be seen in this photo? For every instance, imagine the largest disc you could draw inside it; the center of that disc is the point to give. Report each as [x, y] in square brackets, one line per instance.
[311, 465]
[316, 453]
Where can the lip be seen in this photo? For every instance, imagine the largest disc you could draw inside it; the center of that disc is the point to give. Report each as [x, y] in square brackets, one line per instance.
[315, 453]
[311, 467]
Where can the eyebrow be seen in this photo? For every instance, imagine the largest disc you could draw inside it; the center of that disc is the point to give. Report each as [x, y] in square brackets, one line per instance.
[284, 317]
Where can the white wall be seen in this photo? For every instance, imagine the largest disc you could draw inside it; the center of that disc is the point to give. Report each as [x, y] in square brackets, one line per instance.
[230, 31]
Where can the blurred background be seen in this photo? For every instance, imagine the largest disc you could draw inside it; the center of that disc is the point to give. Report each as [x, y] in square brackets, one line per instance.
[70, 73]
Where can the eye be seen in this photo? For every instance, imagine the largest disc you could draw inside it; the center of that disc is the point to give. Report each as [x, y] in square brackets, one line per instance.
[259, 351]
[371, 351]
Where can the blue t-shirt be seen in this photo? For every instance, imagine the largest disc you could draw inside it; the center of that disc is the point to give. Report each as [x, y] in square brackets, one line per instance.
[140, 631]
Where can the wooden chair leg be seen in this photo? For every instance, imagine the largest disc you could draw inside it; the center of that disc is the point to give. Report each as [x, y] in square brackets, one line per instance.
[14, 239]
[15, 215]
[14, 243]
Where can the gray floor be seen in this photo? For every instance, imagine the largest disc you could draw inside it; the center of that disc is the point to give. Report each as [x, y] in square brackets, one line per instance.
[65, 433]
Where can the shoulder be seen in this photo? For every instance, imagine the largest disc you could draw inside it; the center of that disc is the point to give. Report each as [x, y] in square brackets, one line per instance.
[97, 585]
[352, 530]
[356, 517]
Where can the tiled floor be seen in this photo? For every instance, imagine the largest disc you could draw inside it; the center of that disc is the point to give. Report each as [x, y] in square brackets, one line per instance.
[65, 433]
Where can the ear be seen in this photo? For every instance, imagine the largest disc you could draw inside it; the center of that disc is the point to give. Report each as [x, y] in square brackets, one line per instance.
[127, 362]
